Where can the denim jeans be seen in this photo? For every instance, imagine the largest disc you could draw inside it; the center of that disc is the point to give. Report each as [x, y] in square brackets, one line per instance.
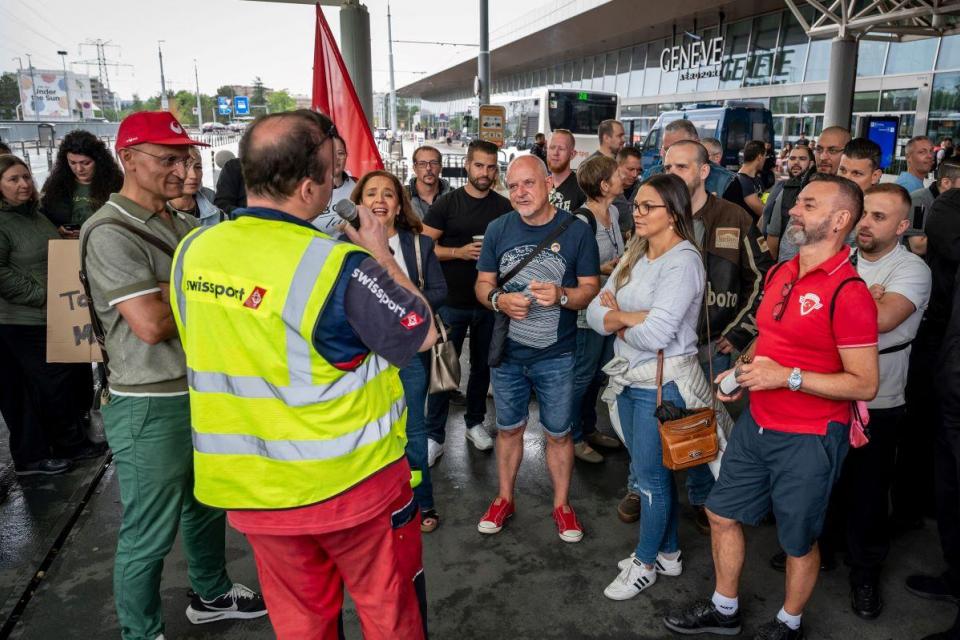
[700, 479]
[659, 507]
[480, 323]
[415, 379]
[593, 351]
[553, 380]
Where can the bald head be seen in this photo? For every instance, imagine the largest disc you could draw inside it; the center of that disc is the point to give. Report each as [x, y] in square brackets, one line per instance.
[529, 184]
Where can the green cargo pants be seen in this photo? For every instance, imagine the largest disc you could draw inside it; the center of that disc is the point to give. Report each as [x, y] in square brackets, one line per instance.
[153, 453]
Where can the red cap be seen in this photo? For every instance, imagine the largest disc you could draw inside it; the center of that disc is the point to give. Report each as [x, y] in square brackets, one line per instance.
[157, 127]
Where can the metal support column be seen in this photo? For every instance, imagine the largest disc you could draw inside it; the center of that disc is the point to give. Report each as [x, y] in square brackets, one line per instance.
[483, 58]
[840, 82]
[355, 43]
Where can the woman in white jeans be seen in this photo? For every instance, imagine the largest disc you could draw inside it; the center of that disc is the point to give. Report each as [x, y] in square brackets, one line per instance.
[652, 302]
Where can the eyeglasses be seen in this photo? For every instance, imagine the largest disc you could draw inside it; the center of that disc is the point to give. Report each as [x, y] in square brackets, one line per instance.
[644, 208]
[831, 151]
[781, 307]
[423, 164]
[168, 162]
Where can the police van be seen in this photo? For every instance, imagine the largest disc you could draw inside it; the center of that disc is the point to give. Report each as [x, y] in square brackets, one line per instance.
[733, 124]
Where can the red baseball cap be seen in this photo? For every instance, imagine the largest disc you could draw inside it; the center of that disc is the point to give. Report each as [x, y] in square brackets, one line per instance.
[157, 127]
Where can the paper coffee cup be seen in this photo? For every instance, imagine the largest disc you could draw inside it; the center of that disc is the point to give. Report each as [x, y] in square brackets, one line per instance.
[478, 238]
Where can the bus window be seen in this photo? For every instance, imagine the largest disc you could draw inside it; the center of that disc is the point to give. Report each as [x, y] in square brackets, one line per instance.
[580, 111]
[706, 128]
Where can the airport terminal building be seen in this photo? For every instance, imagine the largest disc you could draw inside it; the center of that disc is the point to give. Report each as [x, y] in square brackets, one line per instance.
[661, 56]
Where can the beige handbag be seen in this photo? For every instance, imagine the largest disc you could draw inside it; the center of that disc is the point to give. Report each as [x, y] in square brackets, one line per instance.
[444, 361]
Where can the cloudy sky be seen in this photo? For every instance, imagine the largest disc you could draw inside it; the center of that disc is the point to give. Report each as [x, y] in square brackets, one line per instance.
[232, 40]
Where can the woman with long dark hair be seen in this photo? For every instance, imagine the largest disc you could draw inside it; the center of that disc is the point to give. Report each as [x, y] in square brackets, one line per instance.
[652, 302]
[382, 193]
[42, 403]
[82, 179]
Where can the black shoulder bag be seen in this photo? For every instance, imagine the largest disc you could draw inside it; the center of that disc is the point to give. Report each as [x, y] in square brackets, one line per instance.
[501, 325]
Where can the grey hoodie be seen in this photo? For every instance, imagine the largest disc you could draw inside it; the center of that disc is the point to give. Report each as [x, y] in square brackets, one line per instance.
[419, 205]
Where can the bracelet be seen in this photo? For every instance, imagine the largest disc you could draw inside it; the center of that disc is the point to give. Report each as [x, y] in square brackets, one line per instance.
[453, 252]
[493, 300]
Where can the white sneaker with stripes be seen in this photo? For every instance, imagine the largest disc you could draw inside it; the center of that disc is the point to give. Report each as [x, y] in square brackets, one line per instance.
[663, 566]
[632, 580]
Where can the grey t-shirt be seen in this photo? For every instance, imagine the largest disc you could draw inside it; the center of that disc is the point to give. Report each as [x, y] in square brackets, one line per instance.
[908, 275]
[122, 266]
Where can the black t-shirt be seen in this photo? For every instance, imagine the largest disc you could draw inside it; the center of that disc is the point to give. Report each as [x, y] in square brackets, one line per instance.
[460, 216]
[568, 195]
[943, 257]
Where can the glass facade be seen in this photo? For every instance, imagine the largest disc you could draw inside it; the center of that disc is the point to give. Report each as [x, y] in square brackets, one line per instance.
[769, 50]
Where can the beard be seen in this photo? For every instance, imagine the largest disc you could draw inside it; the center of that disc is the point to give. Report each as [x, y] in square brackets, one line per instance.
[558, 168]
[795, 171]
[480, 183]
[801, 236]
[869, 245]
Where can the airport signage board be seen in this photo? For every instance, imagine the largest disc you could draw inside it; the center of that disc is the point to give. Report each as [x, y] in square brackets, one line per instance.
[492, 119]
[696, 59]
[223, 105]
[241, 105]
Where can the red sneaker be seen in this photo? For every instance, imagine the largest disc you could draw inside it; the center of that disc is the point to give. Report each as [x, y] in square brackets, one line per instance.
[492, 521]
[567, 525]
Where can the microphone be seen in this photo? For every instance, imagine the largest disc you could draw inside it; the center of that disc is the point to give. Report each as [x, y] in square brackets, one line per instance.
[348, 211]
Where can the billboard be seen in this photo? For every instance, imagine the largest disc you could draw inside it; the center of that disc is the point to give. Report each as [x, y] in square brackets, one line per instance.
[44, 95]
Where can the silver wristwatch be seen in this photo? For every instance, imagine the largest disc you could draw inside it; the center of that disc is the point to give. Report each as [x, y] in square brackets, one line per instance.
[795, 380]
[563, 297]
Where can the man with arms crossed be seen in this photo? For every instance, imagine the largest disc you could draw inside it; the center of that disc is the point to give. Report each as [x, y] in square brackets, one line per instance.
[542, 302]
[816, 351]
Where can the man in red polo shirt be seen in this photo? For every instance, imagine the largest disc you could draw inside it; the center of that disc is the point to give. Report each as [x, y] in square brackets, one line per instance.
[816, 351]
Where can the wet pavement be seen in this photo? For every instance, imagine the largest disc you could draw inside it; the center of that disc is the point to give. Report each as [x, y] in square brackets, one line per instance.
[523, 583]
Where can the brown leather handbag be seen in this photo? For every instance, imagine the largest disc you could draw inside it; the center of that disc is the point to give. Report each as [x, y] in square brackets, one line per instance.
[691, 440]
[688, 441]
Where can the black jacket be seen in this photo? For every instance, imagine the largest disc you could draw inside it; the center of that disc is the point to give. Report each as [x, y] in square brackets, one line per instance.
[231, 194]
[943, 257]
[736, 259]
[434, 285]
[948, 374]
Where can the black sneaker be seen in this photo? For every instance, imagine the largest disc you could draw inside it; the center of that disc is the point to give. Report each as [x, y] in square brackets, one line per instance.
[457, 398]
[777, 630]
[931, 588]
[240, 603]
[45, 467]
[703, 617]
[865, 600]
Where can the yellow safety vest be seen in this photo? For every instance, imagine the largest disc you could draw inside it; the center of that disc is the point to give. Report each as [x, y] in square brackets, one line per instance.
[274, 424]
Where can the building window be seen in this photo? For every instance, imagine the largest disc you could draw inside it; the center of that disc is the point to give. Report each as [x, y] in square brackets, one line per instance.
[763, 48]
[736, 44]
[623, 73]
[567, 74]
[709, 83]
[870, 57]
[638, 59]
[949, 57]
[945, 100]
[785, 104]
[668, 79]
[651, 77]
[610, 72]
[813, 103]
[911, 57]
[788, 67]
[818, 61]
[577, 73]
[898, 100]
[866, 101]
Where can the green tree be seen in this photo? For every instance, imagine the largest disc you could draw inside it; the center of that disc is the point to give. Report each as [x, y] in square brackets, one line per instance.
[9, 96]
[259, 93]
[281, 101]
[226, 90]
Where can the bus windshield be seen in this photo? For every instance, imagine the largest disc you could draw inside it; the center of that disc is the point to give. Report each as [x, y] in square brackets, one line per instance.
[580, 111]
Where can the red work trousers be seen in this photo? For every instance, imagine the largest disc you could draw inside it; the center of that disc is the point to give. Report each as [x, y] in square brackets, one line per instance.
[379, 562]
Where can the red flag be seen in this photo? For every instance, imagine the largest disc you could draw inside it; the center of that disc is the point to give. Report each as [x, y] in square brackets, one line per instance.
[333, 93]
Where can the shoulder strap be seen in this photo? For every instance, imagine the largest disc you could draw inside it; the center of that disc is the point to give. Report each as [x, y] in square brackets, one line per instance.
[587, 216]
[659, 377]
[146, 237]
[533, 254]
[416, 250]
[833, 301]
[772, 271]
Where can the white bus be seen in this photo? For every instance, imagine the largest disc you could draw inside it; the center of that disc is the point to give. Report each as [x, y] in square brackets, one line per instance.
[548, 109]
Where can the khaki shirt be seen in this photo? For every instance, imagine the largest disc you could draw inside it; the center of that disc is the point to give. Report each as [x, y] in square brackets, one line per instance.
[121, 266]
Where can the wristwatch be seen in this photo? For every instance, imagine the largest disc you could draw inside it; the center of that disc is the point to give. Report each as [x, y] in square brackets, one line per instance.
[494, 295]
[795, 380]
[563, 297]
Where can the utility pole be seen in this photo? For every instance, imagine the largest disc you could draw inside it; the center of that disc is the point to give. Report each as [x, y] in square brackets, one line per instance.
[164, 102]
[103, 76]
[483, 58]
[66, 83]
[196, 78]
[20, 62]
[33, 88]
[393, 86]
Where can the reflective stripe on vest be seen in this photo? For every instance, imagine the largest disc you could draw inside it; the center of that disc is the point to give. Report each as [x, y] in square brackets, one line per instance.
[178, 272]
[299, 450]
[291, 395]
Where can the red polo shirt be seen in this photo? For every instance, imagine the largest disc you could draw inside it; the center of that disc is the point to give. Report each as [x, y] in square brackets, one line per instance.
[807, 337]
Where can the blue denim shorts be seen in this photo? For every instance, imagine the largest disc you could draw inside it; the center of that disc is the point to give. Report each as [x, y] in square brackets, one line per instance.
[793, 473]
[553, 380]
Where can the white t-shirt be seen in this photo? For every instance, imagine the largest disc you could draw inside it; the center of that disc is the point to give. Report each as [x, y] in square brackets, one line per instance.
[328, 221]
[394, 242]
[907, 274]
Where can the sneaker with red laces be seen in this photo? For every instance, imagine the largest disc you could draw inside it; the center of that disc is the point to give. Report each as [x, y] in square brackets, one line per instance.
[567, 525]
[498, 512]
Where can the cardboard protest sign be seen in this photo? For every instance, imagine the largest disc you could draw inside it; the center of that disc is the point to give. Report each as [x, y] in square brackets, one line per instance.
[69, 331]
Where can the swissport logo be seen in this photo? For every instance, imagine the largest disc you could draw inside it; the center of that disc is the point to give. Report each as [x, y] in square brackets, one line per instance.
[253, 302]
[411, 321]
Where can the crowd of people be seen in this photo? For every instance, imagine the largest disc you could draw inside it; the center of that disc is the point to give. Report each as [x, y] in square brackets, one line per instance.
[270, 365]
